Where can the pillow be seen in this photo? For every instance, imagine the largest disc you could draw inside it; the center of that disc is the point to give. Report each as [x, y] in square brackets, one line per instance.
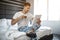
[11, 27]
[3, 25]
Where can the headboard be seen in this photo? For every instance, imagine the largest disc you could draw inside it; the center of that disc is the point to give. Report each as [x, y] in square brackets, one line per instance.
[9, 7]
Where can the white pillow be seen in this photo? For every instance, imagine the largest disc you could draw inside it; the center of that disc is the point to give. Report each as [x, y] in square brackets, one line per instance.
[12, 27]
[3, 25]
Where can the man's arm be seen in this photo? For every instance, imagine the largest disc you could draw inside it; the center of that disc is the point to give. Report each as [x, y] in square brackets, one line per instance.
[14, 21]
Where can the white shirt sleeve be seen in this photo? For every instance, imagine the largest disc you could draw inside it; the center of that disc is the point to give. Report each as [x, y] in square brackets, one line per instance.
[15, 16]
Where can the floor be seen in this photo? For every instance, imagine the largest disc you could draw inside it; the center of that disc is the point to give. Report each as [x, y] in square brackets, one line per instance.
[56, 37]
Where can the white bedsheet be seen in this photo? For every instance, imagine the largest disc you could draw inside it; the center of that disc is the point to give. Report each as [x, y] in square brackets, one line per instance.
[12, 33]
[42, 31]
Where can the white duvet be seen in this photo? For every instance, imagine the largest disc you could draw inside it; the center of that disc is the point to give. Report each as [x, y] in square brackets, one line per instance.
[14, 34]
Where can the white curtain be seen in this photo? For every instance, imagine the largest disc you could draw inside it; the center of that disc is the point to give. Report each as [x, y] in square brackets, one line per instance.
[40, 8]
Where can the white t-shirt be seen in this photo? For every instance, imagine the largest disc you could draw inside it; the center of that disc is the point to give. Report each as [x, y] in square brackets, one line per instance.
[23, 22]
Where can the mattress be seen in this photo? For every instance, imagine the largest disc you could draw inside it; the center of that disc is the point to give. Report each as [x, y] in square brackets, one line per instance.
[16, 35]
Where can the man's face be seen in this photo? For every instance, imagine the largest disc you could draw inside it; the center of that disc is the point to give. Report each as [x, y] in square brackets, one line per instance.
[26, 8]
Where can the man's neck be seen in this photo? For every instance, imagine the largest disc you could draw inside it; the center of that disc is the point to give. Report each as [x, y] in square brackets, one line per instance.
[23, 12]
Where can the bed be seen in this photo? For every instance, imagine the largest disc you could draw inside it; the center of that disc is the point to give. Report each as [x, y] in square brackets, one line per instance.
[11, 32]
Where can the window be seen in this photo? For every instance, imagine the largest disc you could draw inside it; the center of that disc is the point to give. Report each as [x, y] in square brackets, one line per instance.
[49, 9]
[40, 7]
[54, 10]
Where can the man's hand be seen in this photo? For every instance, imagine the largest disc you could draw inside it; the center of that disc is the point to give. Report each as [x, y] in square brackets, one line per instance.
[38, 21]
[14, 21]
[23, 17]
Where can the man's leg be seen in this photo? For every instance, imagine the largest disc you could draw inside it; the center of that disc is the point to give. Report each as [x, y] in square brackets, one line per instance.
[31, 35]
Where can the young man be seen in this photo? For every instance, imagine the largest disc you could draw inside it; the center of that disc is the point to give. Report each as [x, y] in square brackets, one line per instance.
[22, 17]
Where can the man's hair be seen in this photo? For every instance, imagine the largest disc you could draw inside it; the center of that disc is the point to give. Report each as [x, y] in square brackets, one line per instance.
[27, 4]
